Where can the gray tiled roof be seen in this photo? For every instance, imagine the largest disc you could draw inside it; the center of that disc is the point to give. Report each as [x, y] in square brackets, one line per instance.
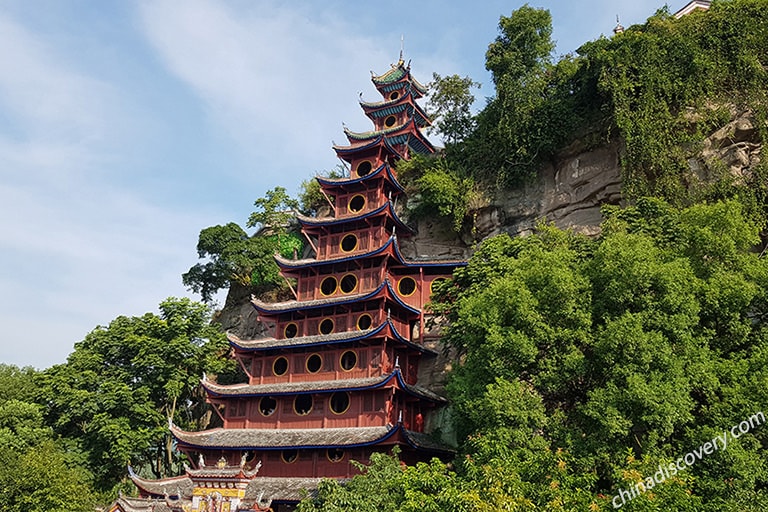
[294, 387]
[175, 486]
[282, 438]
[299, 340]
[319, 386]
[280, 489]
[127, 504]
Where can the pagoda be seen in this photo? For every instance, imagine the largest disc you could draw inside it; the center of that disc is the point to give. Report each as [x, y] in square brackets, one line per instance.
[335, 376]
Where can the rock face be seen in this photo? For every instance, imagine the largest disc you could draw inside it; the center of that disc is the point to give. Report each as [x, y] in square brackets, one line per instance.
[568, 192]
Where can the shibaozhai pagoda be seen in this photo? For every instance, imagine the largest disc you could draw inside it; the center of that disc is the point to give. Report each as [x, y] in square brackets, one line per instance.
[335, 377]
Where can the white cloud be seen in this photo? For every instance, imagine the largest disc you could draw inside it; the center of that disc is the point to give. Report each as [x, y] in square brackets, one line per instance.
[278, 80]
[75, 250]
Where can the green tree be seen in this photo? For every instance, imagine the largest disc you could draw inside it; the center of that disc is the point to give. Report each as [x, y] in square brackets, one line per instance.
[35, 473]
[118, 388]
[450, 103]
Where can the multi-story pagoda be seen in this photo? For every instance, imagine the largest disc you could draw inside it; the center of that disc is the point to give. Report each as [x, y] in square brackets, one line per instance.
[335, 378]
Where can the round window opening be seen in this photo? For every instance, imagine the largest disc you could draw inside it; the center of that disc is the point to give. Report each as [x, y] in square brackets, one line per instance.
[394, 95]
[267, 406]
[328, 285]
[289, 456]
[335, 454]
[280, 366]
[339, 403]
[364, 322]
[314, 363]
[349, 243]
[390, 121]
[326, 326]
[436, 282]
[302, 404]
[348, 360]
[364, 167]
[291, 330]
[406, 286]
[348, 283]
[357, 203]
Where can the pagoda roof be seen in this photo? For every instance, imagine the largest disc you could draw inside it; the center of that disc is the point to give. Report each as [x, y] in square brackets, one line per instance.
[383, 169]
[331, 221]
[295, 305]
[373, 134]
[289, 264]
[329, 386]
[380, 109]
[322, 339]
[130, 504]
[279, 489]
[389, 138]
[281, 439]
[175, 486]
[303, 439]
[398, 72]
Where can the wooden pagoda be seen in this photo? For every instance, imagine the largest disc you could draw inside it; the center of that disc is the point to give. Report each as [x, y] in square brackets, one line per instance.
[335, 377]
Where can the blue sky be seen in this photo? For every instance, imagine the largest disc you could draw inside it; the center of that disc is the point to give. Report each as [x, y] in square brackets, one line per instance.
[126, 127]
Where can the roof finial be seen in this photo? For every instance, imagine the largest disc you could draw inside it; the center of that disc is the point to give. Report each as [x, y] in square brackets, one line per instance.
[618, 29]
[402, 46]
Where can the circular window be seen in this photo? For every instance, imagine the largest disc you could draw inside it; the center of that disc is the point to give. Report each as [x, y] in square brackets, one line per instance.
[364, 321]
[394, 95]
[390, 121]
[406, 286]
[267, 406]
[348, 360]
[364, 167]
[280, 366]
[326, 326]
[289, 456]
[339, 403]
[356, 203]
[434, 282]
[335, 454]
[328, 285]
[314, 363]
[349, 243]
[291, 330]
[348, 283]
[302, 404]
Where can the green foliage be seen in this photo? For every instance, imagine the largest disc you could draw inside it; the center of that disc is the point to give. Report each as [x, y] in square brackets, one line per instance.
[35, 473]
[17, 383]
[118, 388]
[274, 210]
[650, 339]
[234, 257]
[436, 189]
[311, 198]
[450, 101]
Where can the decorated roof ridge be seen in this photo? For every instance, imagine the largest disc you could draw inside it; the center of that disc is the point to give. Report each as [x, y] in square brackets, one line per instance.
[385, 167]
[294, 305]
[322, 339]
[330, 221]
[360, 136]
[396, 73]
[386, 103]
[281, 439]
[172, 486]
[323, 386]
